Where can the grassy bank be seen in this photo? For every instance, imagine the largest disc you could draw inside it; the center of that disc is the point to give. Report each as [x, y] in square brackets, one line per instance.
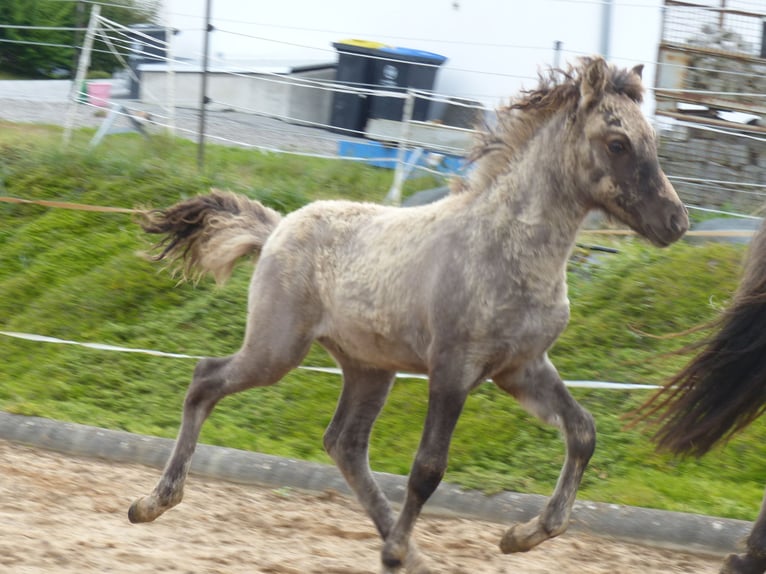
[76, 275]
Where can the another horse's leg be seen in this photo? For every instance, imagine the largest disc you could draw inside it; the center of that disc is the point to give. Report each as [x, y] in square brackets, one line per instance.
[541, 391]
[448, 388]
[281, 341]
[754, 561]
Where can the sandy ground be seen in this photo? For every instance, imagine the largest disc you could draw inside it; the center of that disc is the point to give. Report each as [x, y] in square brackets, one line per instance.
[69, 515]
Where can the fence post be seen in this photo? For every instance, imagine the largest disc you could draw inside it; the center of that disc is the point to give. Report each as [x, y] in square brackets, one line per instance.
[82, 70]
[203, 88]
[395, 193]
[170, 86]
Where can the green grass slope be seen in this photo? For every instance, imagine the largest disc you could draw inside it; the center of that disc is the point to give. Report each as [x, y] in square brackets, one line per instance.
[77, 275]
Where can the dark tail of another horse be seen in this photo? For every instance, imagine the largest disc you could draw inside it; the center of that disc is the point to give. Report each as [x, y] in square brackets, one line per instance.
[723, 388]
[208, 233]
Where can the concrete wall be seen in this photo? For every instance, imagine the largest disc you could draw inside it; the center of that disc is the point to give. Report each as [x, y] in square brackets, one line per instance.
[244, 91]
[700, 153]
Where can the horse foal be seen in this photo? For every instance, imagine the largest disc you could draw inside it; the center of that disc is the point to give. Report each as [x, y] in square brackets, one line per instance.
[469, 288]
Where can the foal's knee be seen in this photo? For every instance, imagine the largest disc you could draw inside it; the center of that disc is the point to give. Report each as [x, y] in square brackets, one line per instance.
[209, 367]
[344, 447]
[582, 437]
[425, 476]
[207, 383]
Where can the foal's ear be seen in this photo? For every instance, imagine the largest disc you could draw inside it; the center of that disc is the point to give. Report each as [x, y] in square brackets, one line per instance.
[593, 82]
[638, 70]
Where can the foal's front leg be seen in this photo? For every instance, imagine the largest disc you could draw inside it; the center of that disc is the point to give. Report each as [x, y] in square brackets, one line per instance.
[448, 389]
[541, 391]
[347, 442]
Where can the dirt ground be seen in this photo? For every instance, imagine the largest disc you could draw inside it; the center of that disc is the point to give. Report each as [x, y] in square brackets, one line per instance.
[69, 515]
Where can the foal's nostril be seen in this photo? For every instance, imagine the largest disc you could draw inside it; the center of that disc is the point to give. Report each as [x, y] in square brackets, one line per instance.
[678, 224]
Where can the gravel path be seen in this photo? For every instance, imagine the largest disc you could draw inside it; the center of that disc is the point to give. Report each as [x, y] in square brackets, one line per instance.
[45, 102]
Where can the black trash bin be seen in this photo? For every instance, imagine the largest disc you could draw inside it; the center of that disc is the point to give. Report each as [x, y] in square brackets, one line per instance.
[398, 69]
[355, 69]
[148, 44]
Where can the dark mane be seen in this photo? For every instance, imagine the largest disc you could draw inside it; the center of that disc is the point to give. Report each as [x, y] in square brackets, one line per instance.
[494, 146]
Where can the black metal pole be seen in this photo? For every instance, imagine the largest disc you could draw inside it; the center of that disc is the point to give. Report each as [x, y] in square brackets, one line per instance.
[204, 99]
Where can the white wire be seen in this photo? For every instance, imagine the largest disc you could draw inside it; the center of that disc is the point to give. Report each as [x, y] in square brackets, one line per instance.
[46, 28]
[721, 212]
[721, 71]
[707, 128]
[129, 5]
[381, 58]
[262, 148]
[408, 38]
[327, 370]
[711, 92]
[124, 38]
[28, 43]
[718, 182]
[130, 37]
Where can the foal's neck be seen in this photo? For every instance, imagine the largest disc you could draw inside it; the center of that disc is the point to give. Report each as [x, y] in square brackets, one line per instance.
[534, 213]
[539, 190]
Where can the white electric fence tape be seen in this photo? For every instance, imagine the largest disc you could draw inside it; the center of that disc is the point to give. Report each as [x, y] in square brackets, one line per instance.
[328, 370]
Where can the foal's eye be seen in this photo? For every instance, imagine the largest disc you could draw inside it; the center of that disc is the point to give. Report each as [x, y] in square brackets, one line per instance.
[616, 147]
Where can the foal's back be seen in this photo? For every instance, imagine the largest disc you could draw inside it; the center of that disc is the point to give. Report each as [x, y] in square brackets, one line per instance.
[381, 275]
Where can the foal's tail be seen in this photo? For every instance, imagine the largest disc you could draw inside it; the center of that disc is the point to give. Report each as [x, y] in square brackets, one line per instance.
[208, 233]
[723, 388]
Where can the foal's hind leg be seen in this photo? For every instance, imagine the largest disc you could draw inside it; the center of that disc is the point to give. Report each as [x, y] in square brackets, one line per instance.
[347, 441]
[348, 436]
[541, 391]
[754, 561]
[266, 356]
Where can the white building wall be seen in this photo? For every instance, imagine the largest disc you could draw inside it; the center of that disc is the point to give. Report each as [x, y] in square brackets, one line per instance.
[494, 47]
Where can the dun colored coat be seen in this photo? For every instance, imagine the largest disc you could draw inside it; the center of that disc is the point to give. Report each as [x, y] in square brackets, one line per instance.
[469, 288]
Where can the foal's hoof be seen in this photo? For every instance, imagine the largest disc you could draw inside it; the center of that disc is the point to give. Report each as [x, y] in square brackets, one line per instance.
[415, 566]
[523, 537]
[137, 512]
[145, 509]
[512, 541]
[413, 562]
[743, 564]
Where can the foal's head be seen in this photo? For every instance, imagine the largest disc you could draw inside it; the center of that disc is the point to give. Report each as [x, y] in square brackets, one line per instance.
[602, 145]
[614, 157]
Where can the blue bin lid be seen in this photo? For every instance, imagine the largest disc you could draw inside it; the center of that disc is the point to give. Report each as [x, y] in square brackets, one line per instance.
[412, 55]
